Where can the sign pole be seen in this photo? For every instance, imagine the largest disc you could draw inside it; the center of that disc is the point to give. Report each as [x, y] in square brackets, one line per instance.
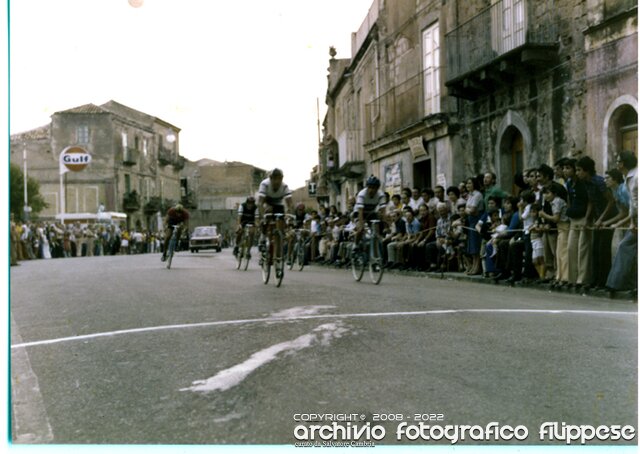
[63, 196]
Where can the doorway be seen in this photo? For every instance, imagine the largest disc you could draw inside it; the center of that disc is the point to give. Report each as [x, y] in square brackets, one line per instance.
[422, 174]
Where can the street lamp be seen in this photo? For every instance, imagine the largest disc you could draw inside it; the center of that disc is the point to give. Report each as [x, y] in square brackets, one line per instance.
[27, 208]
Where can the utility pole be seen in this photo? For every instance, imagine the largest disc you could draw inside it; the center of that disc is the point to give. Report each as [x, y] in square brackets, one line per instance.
[26, 195]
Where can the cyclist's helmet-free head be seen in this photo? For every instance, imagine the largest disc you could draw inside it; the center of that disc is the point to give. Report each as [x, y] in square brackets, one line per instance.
[251, 199]
[373, 182]
[300, 206]
[178, 207]
[276, 173]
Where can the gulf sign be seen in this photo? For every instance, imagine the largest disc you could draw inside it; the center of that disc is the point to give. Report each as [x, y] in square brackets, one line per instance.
[74, 159]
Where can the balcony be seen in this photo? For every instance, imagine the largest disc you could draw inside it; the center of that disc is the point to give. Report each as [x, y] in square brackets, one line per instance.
[165, 156]
[131, 202]
[153, 206]
[507, 38]
[178, 163]
[396, 109]
[130, 156]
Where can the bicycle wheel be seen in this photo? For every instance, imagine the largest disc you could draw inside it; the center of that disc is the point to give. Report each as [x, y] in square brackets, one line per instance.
[265, 263]
[246, 255]
[300, 255]
[357, 264]
[376, 270]
[278, 260]
[240, 255]
[172, 247]
[291, 259]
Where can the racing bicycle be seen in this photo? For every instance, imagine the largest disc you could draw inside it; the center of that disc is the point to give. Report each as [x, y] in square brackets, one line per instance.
[368, 252]
[272, 254]
[244, 249]
[296, 255]
[173, 244]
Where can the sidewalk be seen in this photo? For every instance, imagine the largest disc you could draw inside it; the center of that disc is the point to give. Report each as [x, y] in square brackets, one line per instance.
[630, 296]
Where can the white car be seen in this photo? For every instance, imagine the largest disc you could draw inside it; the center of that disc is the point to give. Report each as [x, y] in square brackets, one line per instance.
[205, 238]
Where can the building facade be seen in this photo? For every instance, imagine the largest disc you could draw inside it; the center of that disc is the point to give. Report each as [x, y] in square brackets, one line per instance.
[439, 91]
[215, 189]
[135, 162]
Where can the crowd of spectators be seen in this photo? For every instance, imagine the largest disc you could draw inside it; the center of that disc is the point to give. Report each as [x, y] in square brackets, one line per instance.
[47, 240]
[564, 226]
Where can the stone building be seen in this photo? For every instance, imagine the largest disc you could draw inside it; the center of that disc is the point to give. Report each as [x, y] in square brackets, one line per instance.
[135, 162]
[437, 91]
[215, 189]
[535, 79]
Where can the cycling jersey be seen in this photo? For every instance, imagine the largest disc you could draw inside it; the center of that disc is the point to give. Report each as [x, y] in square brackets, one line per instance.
[247, 215]
[371, 205]
[300, 218]
[272, 197]
[175, 217]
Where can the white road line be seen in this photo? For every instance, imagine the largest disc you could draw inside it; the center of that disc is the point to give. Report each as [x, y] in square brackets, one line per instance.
[317, 317]
[233, 376]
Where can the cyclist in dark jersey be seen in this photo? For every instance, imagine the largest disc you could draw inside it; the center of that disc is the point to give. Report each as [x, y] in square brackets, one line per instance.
[175, 216]
[298, 223]
[246, 215]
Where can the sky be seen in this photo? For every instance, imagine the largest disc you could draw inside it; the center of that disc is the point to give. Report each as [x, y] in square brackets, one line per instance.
[240, 78]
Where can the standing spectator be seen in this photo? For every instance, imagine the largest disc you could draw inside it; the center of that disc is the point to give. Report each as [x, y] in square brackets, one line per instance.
[474, 209]
[90, 238]
[491, 189]
[615, 182]
[559, 218]
[602, 208]
[550, 236]
[623, 274]
[537, 247]
[453, 194]
[579, 246]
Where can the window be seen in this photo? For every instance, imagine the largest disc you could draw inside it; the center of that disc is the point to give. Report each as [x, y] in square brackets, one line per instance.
[508, 25]
[127, 183]
[82, 134]
[124, 140]
[431, 69]
[144, 147]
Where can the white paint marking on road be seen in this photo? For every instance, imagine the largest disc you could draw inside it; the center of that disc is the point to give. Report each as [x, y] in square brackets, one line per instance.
[322, 316]
[300, 311]
[233, 376]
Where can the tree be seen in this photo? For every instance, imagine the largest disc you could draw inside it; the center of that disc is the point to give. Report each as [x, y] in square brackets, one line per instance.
[16, 194]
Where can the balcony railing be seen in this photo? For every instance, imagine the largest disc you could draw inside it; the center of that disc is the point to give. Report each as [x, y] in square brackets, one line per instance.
[165, 156]
[130, 156]
[399, 107]
[131, 201]
[498, 30]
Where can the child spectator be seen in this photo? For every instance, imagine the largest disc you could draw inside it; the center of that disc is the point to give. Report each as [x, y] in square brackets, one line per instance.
[558, 217]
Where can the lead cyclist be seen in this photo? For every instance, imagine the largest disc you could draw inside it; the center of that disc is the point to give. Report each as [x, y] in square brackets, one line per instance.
[370, 205]
[274, 197]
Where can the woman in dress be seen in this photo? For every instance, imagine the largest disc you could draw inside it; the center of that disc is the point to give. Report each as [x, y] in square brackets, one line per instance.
[474, 210]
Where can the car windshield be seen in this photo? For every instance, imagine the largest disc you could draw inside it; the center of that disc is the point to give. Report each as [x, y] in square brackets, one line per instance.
[204, 231]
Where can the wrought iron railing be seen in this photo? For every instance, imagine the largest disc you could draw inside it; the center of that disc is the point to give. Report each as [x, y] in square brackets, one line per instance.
[501, 28]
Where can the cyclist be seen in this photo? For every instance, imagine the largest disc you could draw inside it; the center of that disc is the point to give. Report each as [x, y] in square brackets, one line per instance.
[272, 197]
[246, 215]
[175, 215]
[298, 223]
[370, 205]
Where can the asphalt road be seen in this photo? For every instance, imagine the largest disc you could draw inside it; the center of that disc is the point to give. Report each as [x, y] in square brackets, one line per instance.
[121, 350]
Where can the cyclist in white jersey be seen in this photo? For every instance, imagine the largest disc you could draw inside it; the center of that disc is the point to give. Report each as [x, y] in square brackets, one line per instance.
[273, 197]
[370, 204]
